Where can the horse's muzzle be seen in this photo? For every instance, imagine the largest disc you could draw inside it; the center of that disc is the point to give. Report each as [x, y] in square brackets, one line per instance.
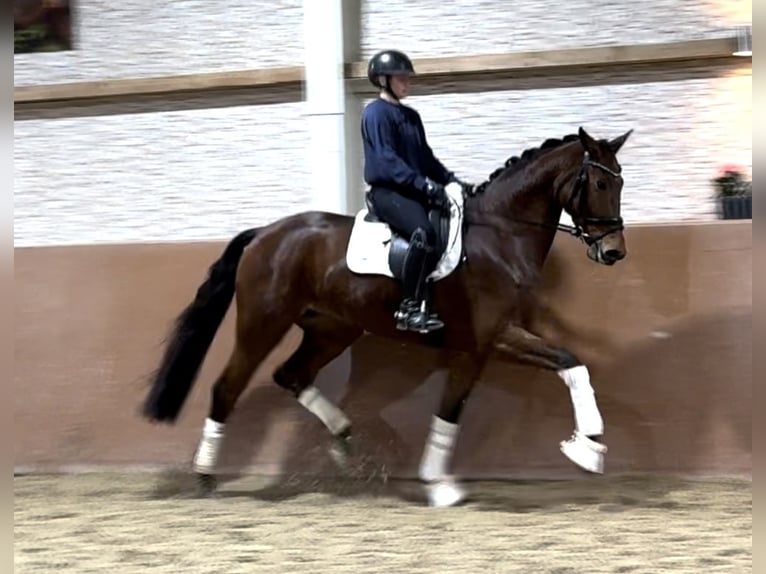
[606, 255]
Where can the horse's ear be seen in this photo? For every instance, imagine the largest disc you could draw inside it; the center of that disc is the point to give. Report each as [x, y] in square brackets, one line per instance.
[617, 142]
[587, 142]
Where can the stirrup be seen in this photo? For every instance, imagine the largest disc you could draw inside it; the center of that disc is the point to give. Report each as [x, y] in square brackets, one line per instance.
[407, 307]
[423, 323]
[419, 319]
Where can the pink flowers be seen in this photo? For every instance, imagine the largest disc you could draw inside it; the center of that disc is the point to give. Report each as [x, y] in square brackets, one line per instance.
[731, 182]
[730, 168]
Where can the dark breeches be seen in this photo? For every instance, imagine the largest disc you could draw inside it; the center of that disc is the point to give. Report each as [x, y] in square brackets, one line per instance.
[403, 214]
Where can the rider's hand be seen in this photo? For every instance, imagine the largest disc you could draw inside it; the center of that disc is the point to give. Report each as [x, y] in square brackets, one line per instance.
[468, 188]
[437, 195]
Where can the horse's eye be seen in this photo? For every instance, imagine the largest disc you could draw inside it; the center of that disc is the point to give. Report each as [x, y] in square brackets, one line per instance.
[601, 184]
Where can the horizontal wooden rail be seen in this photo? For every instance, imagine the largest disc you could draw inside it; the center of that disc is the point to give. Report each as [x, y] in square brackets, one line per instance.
[266, 77]
[551, 59]
[290, 79]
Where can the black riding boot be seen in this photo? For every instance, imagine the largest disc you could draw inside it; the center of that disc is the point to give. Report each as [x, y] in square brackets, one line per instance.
[414, 313]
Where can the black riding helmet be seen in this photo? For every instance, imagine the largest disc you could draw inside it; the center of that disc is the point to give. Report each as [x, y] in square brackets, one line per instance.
[388, 63]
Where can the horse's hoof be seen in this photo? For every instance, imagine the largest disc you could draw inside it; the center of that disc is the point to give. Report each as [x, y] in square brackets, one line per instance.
[341, 449]
[445, 492]
[206, 484]
[585, 453]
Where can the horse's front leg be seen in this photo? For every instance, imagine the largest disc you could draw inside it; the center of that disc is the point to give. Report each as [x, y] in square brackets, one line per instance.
[585, 447]
[441, 487]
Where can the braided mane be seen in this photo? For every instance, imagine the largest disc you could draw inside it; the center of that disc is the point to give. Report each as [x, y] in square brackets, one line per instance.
[515, 163]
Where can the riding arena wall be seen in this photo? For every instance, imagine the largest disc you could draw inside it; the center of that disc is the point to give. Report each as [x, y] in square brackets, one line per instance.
[666, 334]
[122, 202]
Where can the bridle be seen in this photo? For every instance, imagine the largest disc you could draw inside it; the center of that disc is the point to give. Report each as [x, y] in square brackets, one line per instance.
[579, 198]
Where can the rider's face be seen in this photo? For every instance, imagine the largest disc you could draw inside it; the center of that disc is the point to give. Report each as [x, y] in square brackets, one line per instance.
[400, 85]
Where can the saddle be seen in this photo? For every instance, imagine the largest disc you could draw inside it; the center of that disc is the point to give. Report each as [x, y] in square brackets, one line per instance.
[374, 248]
[400, 244]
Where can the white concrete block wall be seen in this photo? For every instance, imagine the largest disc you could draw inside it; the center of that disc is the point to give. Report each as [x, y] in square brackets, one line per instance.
[198, 174]
[204, 174]
[684, 131]
[430, 28]
[138, 38]
[141, 38]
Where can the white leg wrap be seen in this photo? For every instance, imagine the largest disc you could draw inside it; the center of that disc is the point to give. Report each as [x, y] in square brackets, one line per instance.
[442, 489]
[587, 416]
[438, 450]
[207, 452]
[585, 453]
[332, 417]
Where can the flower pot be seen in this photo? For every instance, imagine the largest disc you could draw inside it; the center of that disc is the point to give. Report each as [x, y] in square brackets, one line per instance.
[737, 207]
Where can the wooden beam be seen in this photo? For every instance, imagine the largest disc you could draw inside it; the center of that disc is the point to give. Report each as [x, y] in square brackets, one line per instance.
[151, 103]
[573, 57]
[573, 77]
[266, 77]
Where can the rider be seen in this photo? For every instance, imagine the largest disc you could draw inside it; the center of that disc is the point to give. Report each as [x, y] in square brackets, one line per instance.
[405, 179]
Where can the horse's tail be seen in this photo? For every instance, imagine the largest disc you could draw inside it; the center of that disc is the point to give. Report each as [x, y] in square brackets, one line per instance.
[193, 334]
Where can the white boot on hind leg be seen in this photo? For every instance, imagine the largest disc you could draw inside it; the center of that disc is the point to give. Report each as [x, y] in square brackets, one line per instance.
[330, 415]
[334, 419]
[206, 456]
[584, 452]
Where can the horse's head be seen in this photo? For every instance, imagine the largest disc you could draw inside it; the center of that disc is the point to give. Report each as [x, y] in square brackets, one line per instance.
[594, 200]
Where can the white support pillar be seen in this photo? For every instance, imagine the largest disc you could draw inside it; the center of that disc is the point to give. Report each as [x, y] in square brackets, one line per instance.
[325, 102]
[352, 49]
[355, 186]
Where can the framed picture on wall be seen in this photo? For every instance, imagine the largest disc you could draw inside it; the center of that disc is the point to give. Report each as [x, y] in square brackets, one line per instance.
[41, 26]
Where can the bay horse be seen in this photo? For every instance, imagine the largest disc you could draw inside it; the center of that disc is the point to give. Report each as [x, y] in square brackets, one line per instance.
[294, 271]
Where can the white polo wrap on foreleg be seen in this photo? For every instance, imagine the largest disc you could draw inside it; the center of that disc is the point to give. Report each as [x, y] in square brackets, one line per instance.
[438, 450]
[209, 446]
[332, 417]
[587, 416]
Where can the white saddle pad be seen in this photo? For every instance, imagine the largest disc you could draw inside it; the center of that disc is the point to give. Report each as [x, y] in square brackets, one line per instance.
[370, 242]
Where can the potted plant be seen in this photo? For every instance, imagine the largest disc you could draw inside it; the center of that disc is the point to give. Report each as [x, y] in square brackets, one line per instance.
[734, 193]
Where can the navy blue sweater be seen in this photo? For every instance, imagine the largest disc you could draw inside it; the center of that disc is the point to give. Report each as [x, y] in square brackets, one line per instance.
[396, 153]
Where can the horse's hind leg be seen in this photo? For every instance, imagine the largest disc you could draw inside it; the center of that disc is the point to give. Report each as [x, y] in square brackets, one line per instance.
[255, 338]
[324, 338]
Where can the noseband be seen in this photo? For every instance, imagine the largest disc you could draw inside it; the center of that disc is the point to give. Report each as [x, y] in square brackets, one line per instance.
[579, 197]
